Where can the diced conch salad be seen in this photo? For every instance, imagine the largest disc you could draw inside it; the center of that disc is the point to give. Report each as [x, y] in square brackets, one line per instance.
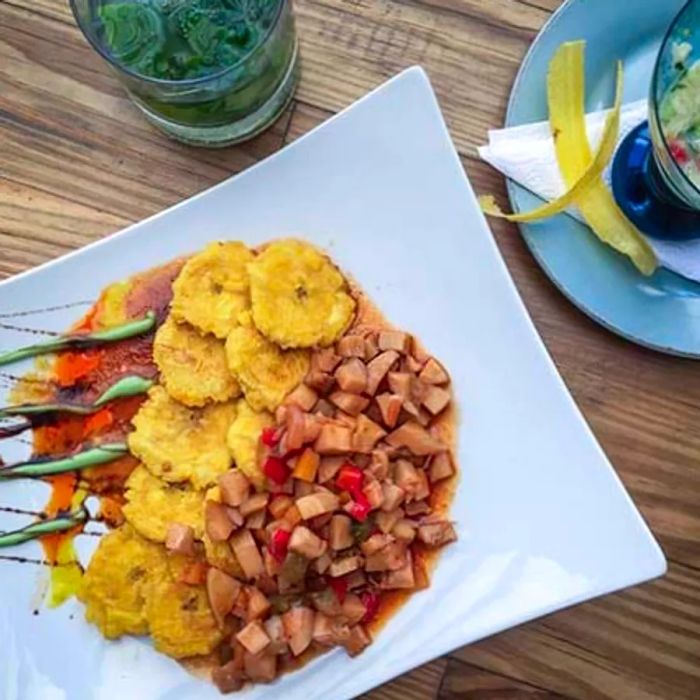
[679, 113]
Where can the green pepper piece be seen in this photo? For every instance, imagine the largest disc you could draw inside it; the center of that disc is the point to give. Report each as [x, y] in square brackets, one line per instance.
[361, 531]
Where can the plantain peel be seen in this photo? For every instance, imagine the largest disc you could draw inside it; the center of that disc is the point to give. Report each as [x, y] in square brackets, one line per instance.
[567, 117]
[590, 176]
[582, 171]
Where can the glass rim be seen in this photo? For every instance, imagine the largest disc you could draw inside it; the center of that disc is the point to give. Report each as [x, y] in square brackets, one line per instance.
[164, 82]
[655, 104]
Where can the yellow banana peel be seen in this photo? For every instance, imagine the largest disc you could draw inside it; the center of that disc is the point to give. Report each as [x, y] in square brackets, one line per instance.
[582, 171]
[567, 117]
[591, 173]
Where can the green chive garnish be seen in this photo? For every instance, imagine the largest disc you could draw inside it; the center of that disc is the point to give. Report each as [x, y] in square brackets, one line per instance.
[43, 527]
[79, 341]
[127, 386]
[93, 457]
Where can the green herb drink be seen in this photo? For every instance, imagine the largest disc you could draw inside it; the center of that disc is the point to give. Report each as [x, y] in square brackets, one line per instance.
[207, 72]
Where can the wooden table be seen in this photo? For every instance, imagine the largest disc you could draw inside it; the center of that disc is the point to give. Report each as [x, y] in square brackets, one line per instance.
[78, 162]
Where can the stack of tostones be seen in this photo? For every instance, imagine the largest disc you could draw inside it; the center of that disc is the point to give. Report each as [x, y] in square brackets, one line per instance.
[239, 322]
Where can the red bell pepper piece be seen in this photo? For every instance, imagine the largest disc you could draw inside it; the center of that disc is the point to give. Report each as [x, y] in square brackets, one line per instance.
[279, 542]
[350, 479]
[371, 601]
[270, 436]
[340, 588]
[359, 508]
[276, 470]
[293, 453]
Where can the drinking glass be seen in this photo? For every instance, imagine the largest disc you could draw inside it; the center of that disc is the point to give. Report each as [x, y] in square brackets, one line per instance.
[656, 172]
[231, 65]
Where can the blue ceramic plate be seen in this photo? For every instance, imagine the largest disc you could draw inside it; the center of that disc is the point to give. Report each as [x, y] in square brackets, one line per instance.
[661, 312]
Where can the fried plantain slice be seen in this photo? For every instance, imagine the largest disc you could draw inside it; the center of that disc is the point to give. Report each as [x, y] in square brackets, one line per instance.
[117, 581]
[177, 443]
[152, 504]
[192, 366]
[265, 372]
[180, 619]
[213, 288]
[244, 440]
[299, 298]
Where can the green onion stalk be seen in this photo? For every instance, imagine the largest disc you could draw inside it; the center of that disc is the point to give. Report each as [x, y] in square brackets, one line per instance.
[127, 386]
[43, 527]
[93, 457]
[78, 341]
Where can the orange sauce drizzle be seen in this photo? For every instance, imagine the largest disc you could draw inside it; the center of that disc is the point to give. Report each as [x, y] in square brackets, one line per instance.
[62, 490]
[67, 433]
[71, 367]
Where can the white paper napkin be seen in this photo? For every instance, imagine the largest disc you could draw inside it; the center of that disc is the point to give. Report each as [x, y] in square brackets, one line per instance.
[526, 154]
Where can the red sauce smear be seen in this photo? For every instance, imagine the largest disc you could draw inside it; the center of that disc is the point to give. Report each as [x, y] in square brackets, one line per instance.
[71, 367]
[82, 376]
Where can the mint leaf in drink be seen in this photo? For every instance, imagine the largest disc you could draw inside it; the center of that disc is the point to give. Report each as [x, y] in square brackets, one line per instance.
[133, 32]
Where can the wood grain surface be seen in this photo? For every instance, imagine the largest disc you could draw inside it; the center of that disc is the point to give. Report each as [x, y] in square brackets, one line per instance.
[77, 162]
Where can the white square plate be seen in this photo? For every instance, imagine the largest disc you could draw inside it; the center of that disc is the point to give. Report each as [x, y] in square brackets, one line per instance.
[543, 520]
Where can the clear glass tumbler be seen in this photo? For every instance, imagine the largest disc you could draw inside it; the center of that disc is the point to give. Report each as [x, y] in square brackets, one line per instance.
[206, 72]
[675, 109]
[656, 171]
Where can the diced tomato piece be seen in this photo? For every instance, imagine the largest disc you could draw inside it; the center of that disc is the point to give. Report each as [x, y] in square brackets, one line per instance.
[270, 436]
[276, 470]
[350, 479]
[340, 588]
[279, 542]
[371, 601]
[359, 508]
